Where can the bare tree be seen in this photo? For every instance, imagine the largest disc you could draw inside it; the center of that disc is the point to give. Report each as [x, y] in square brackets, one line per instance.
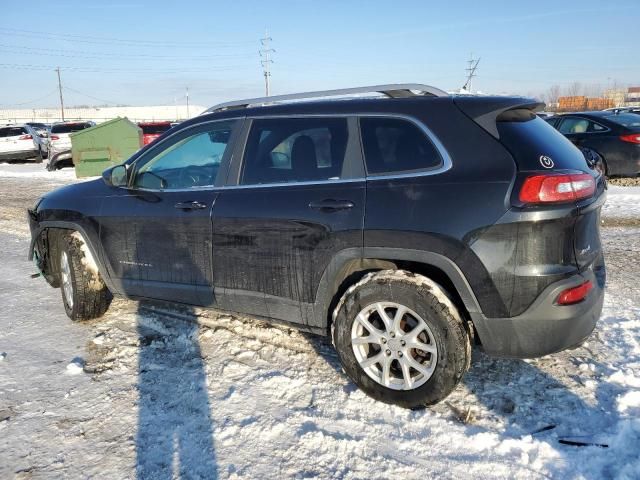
[552, 94]
[594, 90]
[573, 89]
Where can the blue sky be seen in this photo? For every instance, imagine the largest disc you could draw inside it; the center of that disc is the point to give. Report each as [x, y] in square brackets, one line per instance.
[148, 52]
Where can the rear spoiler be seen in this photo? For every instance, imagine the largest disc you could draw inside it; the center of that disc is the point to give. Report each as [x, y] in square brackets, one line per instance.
[485, 110]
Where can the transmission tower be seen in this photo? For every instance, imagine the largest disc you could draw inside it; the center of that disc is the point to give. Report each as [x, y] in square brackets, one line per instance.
[471, 72]
[265, 54]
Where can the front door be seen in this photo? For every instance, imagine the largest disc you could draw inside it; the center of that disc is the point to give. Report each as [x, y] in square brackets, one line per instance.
[297, 199]
[156, 234]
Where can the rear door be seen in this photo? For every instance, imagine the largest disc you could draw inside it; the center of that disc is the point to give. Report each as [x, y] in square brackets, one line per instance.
[156, 234]
[295, 200]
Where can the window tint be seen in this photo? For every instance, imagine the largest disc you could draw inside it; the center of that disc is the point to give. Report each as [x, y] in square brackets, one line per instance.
[596, 127]
[574, 125]
[295, 150]
[154, 128]
[394, 145]
[70, 127]
[13, 131]
[630, 120]
[191, 162]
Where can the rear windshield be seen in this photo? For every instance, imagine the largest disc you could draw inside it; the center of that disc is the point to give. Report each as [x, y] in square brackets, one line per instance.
[155, 128]
[12, 131]
[532, 142]
[629, 120]
[69, 127]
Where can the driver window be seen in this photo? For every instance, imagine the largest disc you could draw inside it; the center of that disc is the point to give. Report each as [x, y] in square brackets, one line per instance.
[191, 162]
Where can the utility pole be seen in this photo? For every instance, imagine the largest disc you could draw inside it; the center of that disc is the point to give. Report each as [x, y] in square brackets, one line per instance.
[265, 53]
[187, 102]
[471, 72]
[60, 90]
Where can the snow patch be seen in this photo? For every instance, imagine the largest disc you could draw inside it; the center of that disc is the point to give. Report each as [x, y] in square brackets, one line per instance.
[76, 366]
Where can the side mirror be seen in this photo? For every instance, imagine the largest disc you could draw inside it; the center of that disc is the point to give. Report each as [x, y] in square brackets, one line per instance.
[115, 176]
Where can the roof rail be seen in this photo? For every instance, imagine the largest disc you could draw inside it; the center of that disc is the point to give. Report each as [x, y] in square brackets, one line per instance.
[397, 90]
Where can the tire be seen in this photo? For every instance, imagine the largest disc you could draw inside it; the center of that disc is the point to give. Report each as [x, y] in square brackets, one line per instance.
[84, 294]
[427, 309]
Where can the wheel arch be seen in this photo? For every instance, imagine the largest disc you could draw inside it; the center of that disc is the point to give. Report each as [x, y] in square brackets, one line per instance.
[349, 266]
[56, 229]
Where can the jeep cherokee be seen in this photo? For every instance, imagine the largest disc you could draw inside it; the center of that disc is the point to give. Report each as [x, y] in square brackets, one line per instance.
[405, 227]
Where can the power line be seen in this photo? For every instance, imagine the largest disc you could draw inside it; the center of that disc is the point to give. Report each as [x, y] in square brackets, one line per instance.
[58, 52]
[30, 101]
[34, 67]
[90, 96]
[265, 54]
[121, 41]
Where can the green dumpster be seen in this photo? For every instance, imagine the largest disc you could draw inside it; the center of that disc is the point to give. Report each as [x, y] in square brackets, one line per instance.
[110, 143]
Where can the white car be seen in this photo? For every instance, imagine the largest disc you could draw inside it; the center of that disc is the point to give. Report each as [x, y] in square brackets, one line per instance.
[60, 143]
[20, 142]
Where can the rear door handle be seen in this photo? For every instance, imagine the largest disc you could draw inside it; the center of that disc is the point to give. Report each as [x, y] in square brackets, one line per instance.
[330, 205]
[191, 205]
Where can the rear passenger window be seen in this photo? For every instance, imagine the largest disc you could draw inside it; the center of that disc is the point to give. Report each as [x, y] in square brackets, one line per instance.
[574, 125]
[394, 145]
[295, 150]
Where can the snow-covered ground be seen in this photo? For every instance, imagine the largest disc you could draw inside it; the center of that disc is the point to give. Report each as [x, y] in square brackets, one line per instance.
[156, 391]
[622, 202]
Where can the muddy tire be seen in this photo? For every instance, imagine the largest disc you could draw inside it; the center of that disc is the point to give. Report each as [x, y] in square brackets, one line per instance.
[401, 339]
[84, 294]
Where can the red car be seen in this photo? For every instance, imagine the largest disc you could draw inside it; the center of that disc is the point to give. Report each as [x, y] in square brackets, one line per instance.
[152, 130]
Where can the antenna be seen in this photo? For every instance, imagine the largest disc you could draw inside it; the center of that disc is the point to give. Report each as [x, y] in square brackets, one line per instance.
[471, 72]
[265, 53]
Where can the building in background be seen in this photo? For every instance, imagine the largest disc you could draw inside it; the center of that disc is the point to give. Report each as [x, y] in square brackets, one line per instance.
[101, 114]
[581, 103]
[616, 95]
[633, 97]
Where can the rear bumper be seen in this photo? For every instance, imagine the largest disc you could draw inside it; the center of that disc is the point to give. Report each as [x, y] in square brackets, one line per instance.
[546, 327]
[21, 155]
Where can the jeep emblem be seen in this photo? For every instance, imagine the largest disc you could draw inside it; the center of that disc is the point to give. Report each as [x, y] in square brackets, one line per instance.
[546, 162]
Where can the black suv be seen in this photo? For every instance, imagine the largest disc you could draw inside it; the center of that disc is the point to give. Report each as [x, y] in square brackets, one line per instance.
[406, 227]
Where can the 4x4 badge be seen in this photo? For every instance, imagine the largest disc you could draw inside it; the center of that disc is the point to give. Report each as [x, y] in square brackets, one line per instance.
[546, 162]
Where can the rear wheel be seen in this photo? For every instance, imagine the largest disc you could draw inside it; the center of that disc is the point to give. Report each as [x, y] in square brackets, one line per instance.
[401, 339]
[84, 294]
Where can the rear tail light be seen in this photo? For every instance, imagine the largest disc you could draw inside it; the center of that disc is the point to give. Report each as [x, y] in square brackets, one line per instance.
[554, 188]
[574, 295]
[54, 137]
[26, 137]
[632, 138]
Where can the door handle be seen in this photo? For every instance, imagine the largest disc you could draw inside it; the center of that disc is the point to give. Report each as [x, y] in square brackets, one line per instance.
[330, 205]
[190, 205]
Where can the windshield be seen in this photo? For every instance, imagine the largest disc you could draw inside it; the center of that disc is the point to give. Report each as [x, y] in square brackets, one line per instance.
[69, 127]
[629, 120]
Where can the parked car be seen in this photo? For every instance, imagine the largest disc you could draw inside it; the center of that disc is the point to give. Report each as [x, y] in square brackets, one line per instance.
[152, 130]
[60, 143]
[20, 142]
[635, 110]
[260, 209]
[614, 136]
[42, 129]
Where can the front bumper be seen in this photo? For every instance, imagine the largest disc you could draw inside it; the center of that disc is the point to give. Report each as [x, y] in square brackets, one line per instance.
[546, 327]
[20, 155]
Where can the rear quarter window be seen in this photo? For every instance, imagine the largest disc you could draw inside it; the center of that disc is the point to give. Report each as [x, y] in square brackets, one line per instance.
[70, 127]
[395, 146]
[530, 138]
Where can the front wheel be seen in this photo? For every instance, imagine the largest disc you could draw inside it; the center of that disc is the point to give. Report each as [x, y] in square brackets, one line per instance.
[84, 294]
[401, 339]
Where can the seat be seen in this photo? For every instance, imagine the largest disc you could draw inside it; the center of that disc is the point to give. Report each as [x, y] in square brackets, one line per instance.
[304, 162]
